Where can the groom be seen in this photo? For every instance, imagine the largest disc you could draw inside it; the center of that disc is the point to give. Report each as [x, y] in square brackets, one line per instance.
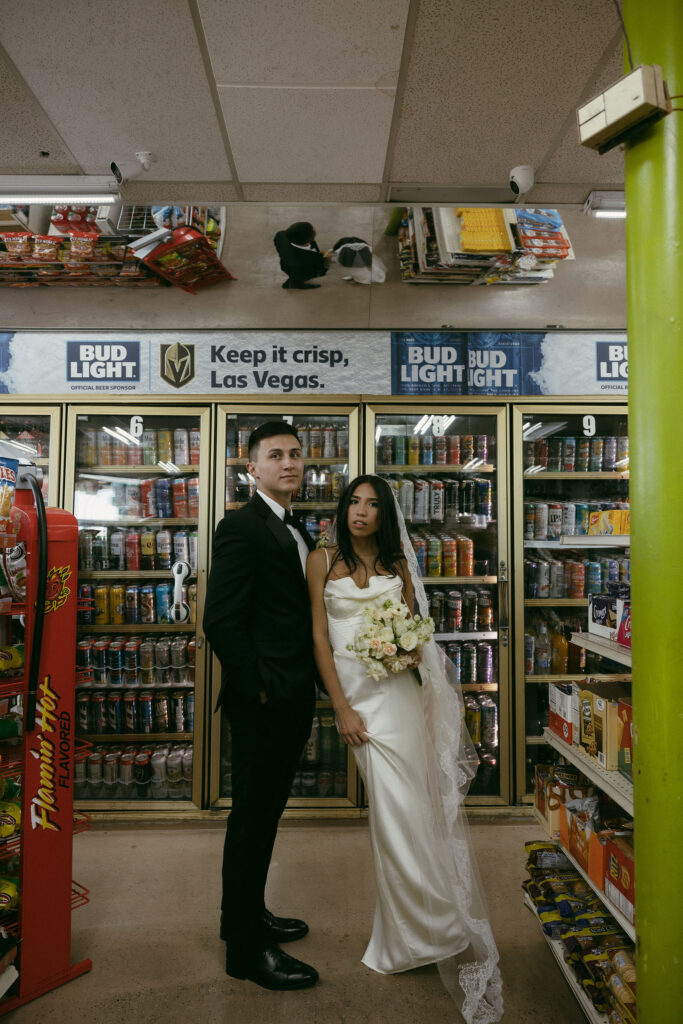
[258, 621]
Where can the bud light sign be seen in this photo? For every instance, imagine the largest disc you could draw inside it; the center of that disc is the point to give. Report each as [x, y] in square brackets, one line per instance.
[612, 361]
[116, 362]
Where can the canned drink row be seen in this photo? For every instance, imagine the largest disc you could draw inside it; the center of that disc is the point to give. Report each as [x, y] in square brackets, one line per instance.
[481, 719]
[399, 449]
[473, 661]
[456, 611]
[440, 554]
[550, 520]
[320, 483]
[318, 441]
[322, 782]
[138, 660]
[435, 499]
[578, 454]
[572, 577]
[157, 498]
[136, 550]
[117, 604]
[151, 771]
[180, 445]
[324, 748]
[134, 711]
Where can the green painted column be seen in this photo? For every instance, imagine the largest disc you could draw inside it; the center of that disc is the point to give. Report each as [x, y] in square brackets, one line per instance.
[654, 260]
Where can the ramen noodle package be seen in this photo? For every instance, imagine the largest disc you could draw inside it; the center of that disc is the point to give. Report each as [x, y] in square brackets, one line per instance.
[8, 486]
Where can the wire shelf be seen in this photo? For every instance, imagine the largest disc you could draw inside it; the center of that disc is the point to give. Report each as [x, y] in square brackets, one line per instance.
[82, 823]
[79, 895]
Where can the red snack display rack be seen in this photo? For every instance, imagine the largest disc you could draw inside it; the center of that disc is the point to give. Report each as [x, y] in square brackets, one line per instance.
[188, 261]
[44, 759]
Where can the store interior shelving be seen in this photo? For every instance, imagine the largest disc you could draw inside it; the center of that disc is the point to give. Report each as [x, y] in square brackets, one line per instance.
[601, 645]
[612, 783]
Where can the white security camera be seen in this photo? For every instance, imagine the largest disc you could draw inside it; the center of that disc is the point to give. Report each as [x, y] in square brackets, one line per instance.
[117, 172]
[521, 179]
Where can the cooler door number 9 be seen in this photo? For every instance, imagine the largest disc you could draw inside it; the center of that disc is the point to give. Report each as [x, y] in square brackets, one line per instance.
[136, 426]
[588, 425]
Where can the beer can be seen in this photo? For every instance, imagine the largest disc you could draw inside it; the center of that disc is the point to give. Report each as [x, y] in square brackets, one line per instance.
[100, 648]
[467, 497]
[621, 463]
[484, 612]
[164, 444]
[555, 450]
[230, 485]
[149, 447]
[582, 514]
[454, 449]
[115, 654]
[413, 450]
[164, 548]
[484, 663]
[489, 721]
[541, 521]
[304, 436]
[132, 605]
[420, 548]
[421, 492]
[180, 503]
[434, 556]
[343, 442]
[117, 604]
[133, 551]
[83, 711]
[189, 711]
[85, 550]
[100, 551]
[131, 655]
[454, 652]
[193, 496]
[338, 484]
[483, 497]
[243, 435]
[465, 556]
[94, 771]
[84, 653]
[610, 570]
[104, 440]
[195, 440]
[329, 442]
[158, 766]
[163, 498]
[583, 450]
[529, 519]
[577, 580]
[568, 518]
[162, 658]
[161, 712]
[529, 647]
[436, 501]
[543, 580]
[142, 773]
[145, 717]
[453, 497]
[542, 453]
[87, 446]
[147, 654]
[181, 447]
[192, 601]
[114, 715]
[179, 653]
[624, 570]
[466, 448]
[427, 450]
[181, 546]
[87, 616]
[316, 441]
[557, 588]
[554, 520]
[163, 601]
[454, 611]
[530, 578]
[98, 714]
[450, 556]
[470, 609]
[593, 578]
[529, 454]
[117, 550]
[597, 451]
[609, 454]
[126, 762]
[102, 607]
[440, 450]
[437, 609]
[568, 454]
[147, 604]
[482, 447]
[469, 664]
[177, 711]
[148, 499]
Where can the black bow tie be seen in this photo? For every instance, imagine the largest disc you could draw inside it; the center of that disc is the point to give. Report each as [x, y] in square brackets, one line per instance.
[291, 518]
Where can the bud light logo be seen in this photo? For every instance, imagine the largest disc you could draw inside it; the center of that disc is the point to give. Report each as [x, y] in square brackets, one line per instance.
[116, 362]
[612, 361]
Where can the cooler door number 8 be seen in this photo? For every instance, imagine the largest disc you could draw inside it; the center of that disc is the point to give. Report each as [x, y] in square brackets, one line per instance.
[589, 426]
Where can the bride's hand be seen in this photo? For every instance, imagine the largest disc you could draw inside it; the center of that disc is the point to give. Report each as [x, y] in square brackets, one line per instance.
[351, 726]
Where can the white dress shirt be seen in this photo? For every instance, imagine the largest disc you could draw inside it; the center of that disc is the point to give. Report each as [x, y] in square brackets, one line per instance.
[280, 513]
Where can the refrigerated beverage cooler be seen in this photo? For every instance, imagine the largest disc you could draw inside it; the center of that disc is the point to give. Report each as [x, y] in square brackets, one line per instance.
[448, 467]
[134, 480]
[34, 434]
[327, 776]
[571, 541]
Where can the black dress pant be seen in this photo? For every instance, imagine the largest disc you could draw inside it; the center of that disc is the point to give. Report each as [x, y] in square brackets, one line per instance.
[267, 743]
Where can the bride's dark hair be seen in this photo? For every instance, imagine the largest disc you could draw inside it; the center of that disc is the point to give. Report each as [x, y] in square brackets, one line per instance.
[390, 556]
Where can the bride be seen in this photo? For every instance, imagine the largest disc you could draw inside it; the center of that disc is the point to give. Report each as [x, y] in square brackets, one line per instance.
[415, 757]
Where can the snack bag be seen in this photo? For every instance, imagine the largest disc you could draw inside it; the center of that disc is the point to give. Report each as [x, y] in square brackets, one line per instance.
[9, 894]
[46, 247]
[8, 487]
[82, 244]
[10, 818]
[18, 243]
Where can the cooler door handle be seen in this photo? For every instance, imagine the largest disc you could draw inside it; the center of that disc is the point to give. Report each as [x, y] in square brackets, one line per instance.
[503, 610]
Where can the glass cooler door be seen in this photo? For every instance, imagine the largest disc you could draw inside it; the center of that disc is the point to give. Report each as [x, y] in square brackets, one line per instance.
[448, 467]
[138, 491]
[573, 482]
[327, 775]
[34, 432]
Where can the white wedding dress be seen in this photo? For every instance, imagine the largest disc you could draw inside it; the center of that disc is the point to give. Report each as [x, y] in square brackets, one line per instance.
[429, 908]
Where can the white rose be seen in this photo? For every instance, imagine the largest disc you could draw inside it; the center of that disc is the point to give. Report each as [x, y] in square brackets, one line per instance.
[409, 641]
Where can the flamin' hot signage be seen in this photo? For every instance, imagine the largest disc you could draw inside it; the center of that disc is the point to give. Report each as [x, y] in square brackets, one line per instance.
[51, 747]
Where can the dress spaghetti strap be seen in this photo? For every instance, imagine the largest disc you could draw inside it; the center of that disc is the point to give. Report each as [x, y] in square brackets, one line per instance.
[327, 558]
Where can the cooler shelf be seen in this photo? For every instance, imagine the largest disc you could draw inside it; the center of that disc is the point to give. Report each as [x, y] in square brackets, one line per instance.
[614, 784]
[135, 737]
[580, 677]
[308, 460]
[129, 574]
[154, 470]
[541, 474]
[583, 540]
[466, 636]
[601, 645]
[449, 467]
[139, 521]
[141, 627]
[459, 579]
[556, 602]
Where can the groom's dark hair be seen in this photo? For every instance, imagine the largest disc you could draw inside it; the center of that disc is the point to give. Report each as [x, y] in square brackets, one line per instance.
[273, 428]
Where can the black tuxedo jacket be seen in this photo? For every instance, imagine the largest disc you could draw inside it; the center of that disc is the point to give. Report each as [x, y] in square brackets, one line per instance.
[301, 264]
[258, 615]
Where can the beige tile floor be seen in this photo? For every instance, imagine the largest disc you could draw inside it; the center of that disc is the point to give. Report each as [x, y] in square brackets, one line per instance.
[151, 931]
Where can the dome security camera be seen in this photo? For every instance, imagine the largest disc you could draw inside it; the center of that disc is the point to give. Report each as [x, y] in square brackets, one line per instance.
[521, 179]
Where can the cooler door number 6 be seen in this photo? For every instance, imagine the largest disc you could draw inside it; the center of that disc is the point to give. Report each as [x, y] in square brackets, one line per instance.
[136, 426]
[588, 425]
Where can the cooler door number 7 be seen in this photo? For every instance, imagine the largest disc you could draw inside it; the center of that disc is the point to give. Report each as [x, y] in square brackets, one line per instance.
[588, 425]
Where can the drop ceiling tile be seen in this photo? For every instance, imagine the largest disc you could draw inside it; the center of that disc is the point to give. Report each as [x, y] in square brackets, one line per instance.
[488, 88]
[307, 135]
[149, 192]
[26, 130]
[305, 42]
[278, 192]
[120, 78]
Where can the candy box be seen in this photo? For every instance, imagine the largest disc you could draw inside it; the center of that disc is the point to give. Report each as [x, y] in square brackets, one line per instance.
[585, 845]
[625, 738]
[563, 713]
[607, 522]
[619, 881]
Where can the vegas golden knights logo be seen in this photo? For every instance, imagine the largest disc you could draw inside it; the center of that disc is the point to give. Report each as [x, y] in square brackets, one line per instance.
[177, 364]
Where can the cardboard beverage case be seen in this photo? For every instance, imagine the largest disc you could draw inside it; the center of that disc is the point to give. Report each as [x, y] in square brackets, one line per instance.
[563, 715]
[609, 522]
[620, 875]
[550, 796]
[585, 845]
[625, 737]
[600, 734]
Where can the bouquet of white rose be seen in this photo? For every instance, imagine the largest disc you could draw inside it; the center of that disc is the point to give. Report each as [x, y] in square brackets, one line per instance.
[389, 637]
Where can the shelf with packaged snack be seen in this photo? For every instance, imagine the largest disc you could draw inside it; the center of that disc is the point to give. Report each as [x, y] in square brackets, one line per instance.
[141, 627]
[601, 645]
[556, 602]
[557, 949]
[156, 469]
[129, 574]
[583, 540]
[538, 473]
[580, 677]
[612, 783]
[446, 467]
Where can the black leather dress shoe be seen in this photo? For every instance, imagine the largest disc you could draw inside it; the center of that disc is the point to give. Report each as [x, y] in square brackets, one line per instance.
[274, 969]
[279, 929]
